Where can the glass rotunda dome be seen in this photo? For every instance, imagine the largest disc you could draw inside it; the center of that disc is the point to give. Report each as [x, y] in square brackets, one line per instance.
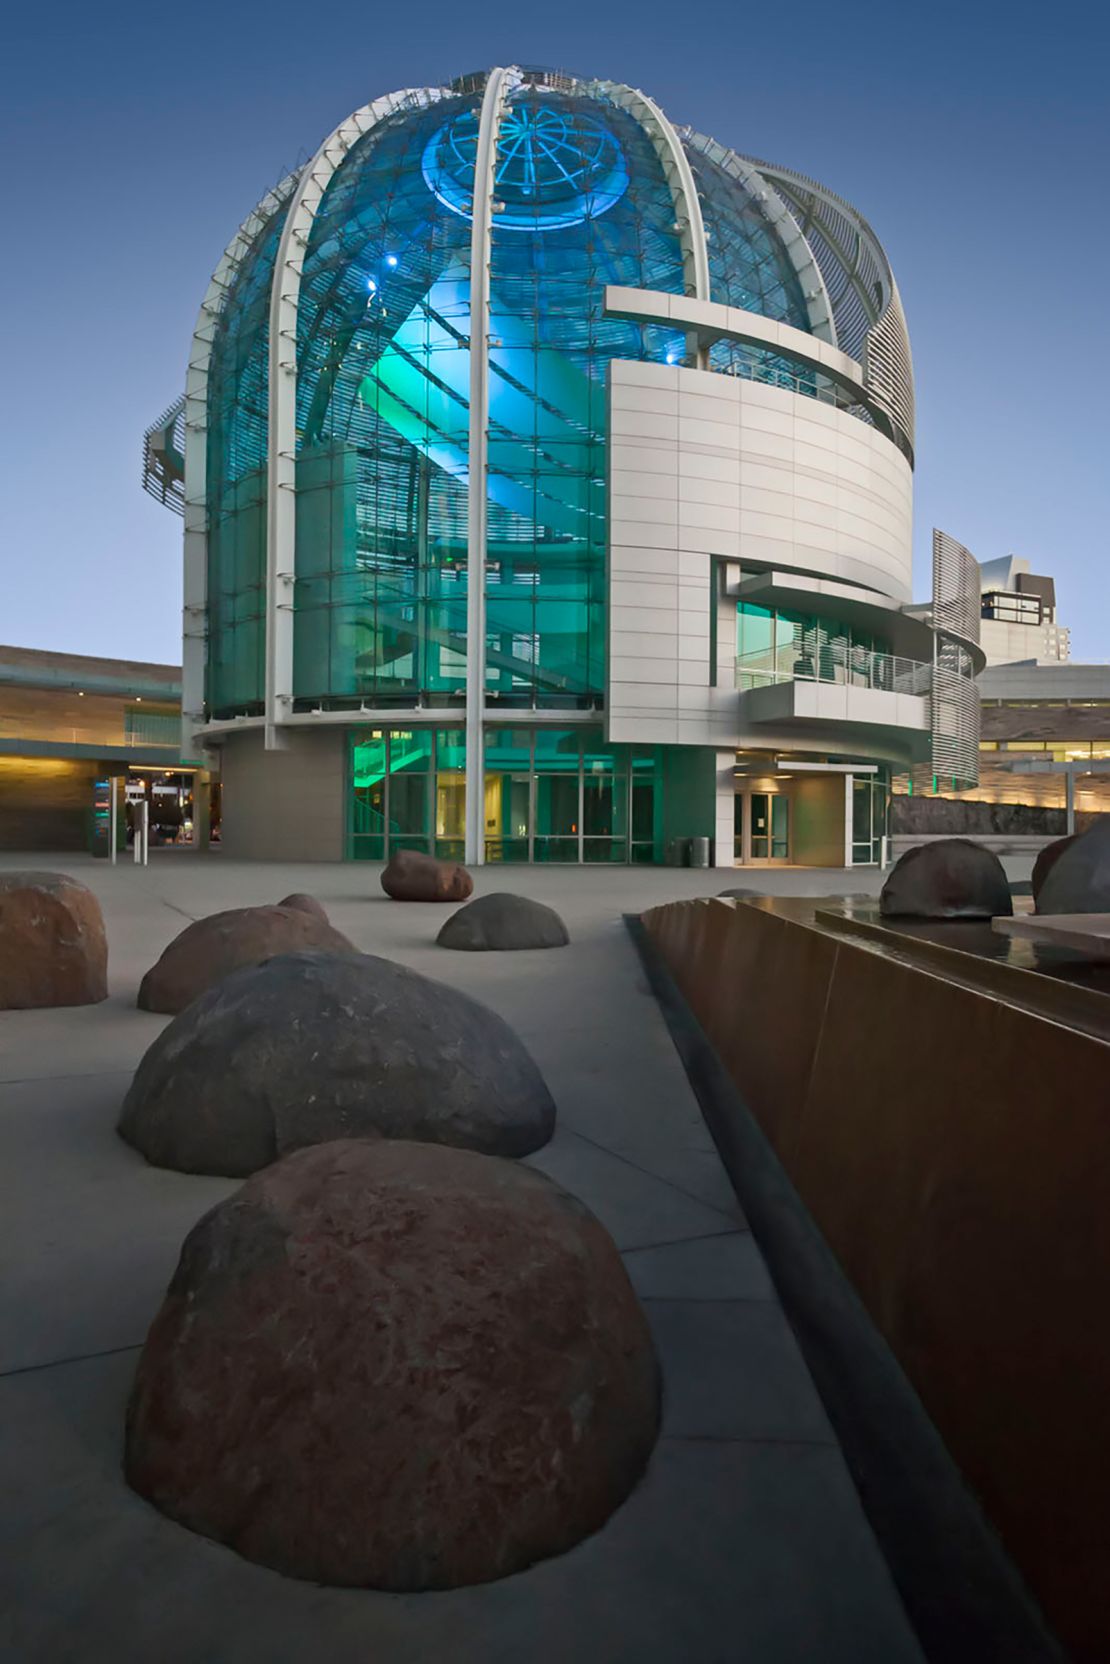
[582, 199]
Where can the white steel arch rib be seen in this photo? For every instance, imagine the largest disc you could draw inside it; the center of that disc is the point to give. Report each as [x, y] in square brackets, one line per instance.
[194, 628]
[799, 253]
[679, 175]
[281, 504]
[485, 163]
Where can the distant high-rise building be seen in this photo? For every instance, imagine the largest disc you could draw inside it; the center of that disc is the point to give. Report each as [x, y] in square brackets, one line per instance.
[1019, 615]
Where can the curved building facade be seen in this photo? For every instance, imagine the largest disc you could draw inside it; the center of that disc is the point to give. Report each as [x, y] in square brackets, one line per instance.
[546, 473]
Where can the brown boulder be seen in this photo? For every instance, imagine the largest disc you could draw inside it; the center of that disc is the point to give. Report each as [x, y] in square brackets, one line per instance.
[395, 1366]
[411, 876]
[210, 949]
[53, 950]
[304, 904]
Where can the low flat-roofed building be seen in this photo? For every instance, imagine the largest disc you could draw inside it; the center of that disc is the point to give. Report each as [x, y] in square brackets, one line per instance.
[71, 723]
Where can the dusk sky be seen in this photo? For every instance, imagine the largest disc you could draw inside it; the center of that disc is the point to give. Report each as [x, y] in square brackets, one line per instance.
[974, 137]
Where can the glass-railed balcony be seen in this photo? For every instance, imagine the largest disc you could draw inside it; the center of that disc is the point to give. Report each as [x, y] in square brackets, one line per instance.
[848, 665]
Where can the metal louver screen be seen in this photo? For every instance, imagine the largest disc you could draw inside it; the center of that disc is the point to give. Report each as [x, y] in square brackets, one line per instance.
[956, 601]
[164, 458]
[955, 695]
[889, 368]
[955, 723]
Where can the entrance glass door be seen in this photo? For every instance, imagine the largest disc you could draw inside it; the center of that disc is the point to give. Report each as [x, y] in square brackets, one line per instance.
[770, 827]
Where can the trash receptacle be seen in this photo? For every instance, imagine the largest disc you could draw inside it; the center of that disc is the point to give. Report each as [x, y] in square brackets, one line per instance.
[678, 852]
[699, 852]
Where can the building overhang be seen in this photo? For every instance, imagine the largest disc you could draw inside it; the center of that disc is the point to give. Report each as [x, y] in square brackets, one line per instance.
[901, 632]
[839, 717]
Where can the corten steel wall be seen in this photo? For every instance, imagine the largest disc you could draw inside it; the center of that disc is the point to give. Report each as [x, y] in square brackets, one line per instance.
[954, 1149]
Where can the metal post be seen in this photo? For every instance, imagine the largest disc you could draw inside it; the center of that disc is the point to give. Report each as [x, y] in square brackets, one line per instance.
[1069, 801]
[113, 816]
[489, 127]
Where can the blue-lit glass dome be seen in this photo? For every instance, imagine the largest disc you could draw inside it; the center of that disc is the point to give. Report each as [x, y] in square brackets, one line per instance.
[382, 358]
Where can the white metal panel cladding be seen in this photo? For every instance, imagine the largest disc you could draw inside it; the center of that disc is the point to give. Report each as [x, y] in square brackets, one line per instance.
[956, 600]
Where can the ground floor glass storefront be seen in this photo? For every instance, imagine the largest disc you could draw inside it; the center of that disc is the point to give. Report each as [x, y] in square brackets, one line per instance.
[551, 795]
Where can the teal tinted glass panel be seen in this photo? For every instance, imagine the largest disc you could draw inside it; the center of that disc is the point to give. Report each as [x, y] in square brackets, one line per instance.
[451, 748]
[384, 359]
[237, 412]
[582, 203]
[557, 751]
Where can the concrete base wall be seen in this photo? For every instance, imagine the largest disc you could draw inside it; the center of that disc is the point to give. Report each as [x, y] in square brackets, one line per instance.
[288, 805]
[952, 1145]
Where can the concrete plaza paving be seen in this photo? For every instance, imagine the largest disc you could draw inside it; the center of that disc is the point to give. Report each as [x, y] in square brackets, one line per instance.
[744, 1542]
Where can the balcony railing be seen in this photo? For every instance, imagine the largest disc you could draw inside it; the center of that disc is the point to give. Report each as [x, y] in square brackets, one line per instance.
[856, 667]
[138, 734]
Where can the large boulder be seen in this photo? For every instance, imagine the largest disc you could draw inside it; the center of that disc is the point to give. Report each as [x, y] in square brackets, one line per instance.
[1046, 860]
[53, 950]
[210, 949]
[1079, 879]
[411, 876]
[396, 1367]
[503, 923]
[948, 878]
[309, 1047]
[305, 903]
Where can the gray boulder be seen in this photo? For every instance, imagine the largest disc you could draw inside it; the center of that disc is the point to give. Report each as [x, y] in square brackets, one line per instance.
[503, 923]
[1079, 879]
[948, 878]
[310, 1047]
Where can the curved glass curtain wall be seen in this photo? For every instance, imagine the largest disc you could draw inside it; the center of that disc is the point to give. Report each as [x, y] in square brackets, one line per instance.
[582, 202]
[238, 423]
[383, 400]
[382, 417]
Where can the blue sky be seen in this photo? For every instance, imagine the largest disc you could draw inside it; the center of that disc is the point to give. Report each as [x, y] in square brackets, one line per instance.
[974, 137]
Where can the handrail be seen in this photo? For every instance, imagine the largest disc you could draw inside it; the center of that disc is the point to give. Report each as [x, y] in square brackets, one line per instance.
[834, 663]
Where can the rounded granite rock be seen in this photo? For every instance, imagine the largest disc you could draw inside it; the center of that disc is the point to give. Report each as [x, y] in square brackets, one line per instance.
[1046, 860]
[412, 876]
[305, 904]
[395, 1366]
[947, 878]
[210, 949]
[310, 1047]
[1079, 879]
[503, 923]
[53, 949]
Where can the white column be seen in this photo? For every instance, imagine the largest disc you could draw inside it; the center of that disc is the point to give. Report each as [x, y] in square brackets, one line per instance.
[1069, 802]
[725, 821]
[848, 779]
[489, 127]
